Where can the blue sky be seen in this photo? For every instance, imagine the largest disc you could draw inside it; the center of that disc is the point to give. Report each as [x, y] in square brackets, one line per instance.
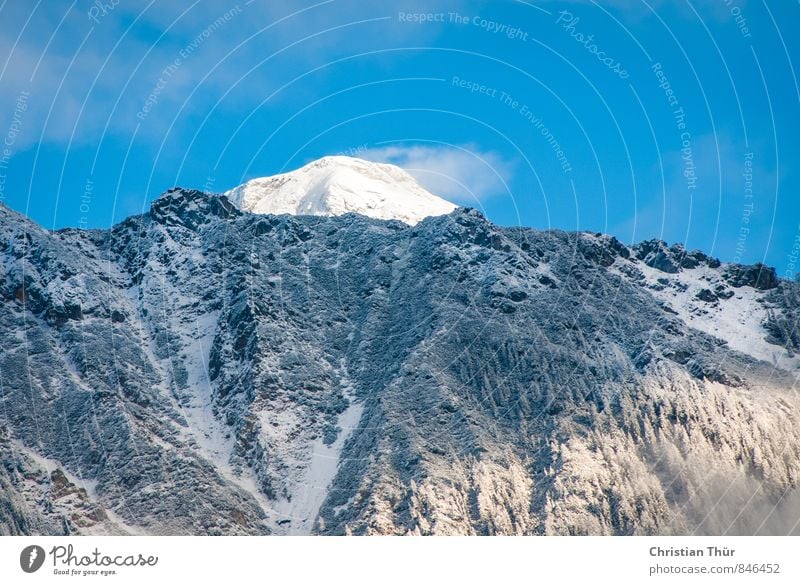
[678, 120]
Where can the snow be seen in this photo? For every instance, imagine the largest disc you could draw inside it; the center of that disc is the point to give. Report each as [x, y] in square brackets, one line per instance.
[205, 433]
[336, 185]
[737, 320]
[311, 489]
[204, 427]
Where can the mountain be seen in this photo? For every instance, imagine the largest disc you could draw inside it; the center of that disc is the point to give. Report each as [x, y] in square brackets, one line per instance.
[336, 185]
[201, 369]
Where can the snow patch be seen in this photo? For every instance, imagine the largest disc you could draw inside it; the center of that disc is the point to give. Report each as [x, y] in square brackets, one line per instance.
[737, 320]
[311, 487]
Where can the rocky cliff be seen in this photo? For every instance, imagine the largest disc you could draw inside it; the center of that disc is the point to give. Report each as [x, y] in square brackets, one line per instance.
[204, 370]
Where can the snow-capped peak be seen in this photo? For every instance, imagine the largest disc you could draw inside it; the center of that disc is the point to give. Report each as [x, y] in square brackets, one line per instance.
[335, 185]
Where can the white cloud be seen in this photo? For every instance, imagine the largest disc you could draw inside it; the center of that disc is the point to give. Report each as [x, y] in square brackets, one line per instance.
[460, 173]
[91, 75]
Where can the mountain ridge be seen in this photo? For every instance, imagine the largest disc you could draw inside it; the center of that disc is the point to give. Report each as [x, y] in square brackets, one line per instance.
[465, 378]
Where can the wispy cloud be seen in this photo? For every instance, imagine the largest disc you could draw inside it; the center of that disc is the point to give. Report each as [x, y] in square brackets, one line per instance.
[460, 173]
[86, 76]
[92, 71]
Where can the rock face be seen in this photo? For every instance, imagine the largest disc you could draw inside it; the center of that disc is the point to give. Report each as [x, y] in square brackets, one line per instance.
[204, 370]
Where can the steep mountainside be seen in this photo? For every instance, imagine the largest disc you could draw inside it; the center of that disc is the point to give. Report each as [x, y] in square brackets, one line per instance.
[204, 370]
